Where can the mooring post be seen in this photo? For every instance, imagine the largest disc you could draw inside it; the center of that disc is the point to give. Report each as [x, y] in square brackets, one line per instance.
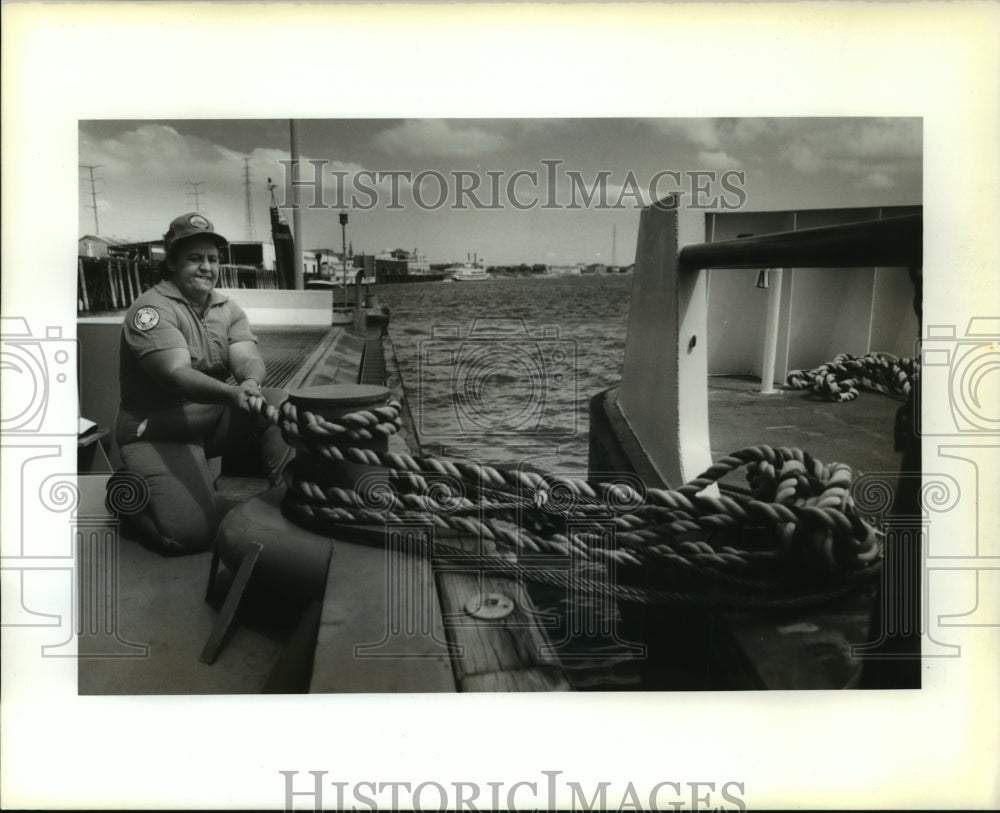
[360, 320]
[83, 285]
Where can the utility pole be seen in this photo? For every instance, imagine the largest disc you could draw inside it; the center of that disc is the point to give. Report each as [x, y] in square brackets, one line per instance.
[197, 194]
[93, 194]
[614, 245]
[343, 244]
[293, 128]
[250, 230]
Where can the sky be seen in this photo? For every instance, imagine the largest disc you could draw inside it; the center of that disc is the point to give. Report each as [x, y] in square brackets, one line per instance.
[552, 191]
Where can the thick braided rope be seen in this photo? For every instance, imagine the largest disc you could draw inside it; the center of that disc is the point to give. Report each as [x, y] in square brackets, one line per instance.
[839, 379]
[776, 499]
[316, 435]
[310, 431]
[695, 563]
[760, 594]
[649, 533]
[800, 503]
[790, 510]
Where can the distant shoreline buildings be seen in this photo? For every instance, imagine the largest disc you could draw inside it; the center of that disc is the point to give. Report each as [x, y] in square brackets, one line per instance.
[387, 266]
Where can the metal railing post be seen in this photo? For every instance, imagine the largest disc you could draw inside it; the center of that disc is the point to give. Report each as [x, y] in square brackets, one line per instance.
[771, 330]
[664, 391]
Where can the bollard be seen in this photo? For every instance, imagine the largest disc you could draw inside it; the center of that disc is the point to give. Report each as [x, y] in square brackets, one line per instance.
[332, 402]
[256, 538]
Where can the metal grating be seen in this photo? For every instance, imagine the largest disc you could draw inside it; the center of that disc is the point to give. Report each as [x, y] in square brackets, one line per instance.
[285, 350]
[373, 366]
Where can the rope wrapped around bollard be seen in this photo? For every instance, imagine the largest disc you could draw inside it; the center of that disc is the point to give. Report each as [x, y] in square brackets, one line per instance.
[798, 539]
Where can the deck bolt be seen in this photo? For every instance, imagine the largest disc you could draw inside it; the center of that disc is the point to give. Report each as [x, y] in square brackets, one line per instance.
[489, 606]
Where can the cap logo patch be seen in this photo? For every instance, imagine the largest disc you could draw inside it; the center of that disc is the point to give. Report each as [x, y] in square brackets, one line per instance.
[146, 318]
[198, 222]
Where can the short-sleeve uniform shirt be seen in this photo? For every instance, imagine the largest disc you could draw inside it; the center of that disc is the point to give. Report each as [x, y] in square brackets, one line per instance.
[162, 319]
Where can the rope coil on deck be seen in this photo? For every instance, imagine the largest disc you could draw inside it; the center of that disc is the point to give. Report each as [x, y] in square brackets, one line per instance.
[838, 380]
[796, 540]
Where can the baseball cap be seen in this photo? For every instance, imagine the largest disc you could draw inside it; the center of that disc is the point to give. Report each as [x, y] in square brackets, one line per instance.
[192, 224]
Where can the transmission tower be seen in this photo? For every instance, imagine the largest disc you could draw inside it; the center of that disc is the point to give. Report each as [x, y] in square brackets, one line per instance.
[197, 194]
[93, 194]
[250, 230]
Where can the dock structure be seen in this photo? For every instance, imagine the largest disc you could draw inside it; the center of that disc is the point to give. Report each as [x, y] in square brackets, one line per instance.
[108, 284]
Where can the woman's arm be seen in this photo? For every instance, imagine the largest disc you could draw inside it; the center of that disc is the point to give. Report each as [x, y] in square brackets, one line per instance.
[172, 368]
[246, 363]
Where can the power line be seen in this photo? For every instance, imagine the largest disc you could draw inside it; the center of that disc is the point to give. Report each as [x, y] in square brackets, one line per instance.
[93, 194]
[197, 194]
[250, 230]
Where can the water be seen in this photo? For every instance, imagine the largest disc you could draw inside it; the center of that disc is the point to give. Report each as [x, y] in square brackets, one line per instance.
[501, 371]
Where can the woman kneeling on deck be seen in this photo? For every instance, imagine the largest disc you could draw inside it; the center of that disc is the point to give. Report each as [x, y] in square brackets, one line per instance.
[181, 340]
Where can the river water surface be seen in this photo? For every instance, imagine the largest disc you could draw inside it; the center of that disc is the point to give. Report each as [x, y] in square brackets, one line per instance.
[501, 371]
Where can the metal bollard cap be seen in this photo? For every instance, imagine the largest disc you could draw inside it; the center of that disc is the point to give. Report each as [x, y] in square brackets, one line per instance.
[330, 399]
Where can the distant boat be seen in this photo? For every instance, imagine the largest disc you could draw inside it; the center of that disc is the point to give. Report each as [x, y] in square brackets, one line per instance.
[467, 272]
[322, 285]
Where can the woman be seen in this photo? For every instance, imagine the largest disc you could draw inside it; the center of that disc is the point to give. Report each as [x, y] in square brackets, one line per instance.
[181, 341]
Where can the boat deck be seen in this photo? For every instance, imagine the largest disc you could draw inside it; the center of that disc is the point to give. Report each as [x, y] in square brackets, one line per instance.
[789, 649]
[161, 601]
[858, 433]
[284, 348]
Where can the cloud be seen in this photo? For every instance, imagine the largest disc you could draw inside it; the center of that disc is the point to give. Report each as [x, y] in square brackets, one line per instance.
[849, 144]
[713, 135]
[876, 180]
[717, 159]
[742, 131]
[151, 173]
[717, 140]
[702, 133]
[439, 138]
[856, 147]
[875, 154]
[881, 139]
[804, 158]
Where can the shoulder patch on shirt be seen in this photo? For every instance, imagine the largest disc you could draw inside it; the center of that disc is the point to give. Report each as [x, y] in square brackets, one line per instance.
[146, 318]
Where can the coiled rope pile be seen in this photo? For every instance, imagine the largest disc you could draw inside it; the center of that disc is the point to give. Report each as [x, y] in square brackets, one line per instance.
[838, 380]
[796, 540]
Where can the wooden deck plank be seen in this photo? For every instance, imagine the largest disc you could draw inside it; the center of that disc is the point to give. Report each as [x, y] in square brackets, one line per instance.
[485, 655]
[535, 679]
[368, 644]
[497, 655]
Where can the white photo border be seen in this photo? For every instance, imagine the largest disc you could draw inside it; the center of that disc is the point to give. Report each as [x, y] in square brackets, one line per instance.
[65, 62]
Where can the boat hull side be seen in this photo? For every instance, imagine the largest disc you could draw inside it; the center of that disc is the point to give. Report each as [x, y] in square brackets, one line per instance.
[614, 448]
